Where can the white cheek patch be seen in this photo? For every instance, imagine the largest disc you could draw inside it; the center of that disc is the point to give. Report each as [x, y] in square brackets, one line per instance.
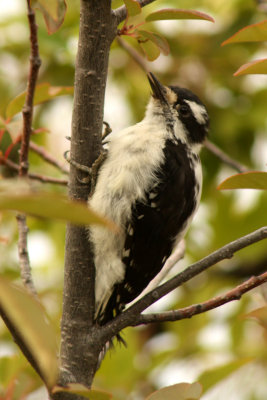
[199, 111]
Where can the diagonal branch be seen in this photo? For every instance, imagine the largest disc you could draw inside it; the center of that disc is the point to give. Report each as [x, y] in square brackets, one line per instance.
[128, 317]
[48, 157]
[32, 175]
[121, 12]
[134, 54]
[190, 311]
[225, 157]
[18, 338]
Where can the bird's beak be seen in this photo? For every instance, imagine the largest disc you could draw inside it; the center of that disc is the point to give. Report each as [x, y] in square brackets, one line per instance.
[158, 90]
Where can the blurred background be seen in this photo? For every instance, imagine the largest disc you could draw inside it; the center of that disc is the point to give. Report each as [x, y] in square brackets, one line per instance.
[222, 343]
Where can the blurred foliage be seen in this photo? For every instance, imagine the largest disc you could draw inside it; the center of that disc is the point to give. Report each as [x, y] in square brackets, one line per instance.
[168, 353]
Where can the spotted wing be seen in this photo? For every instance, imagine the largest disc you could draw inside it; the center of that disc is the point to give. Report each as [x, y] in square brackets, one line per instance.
[155, 224]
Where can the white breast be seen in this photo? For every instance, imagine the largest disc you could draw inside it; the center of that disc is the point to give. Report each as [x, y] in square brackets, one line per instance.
[127, 173]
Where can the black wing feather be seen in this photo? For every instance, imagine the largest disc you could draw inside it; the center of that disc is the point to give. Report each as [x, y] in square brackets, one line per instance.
[154, 226]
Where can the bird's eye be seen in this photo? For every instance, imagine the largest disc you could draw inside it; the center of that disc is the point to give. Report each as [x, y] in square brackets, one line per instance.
[184, 110]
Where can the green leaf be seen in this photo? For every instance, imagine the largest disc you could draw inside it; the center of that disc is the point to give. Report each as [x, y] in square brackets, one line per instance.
[181, 391]
[83, 391]
[157, 39]
[210, 378]
[133, 7]
[246, 180]
[14, 129]
[51, 6]
[43, 92]
[251, 33]
[175, 13]
[28, 318]
[253, 67]
[260, 314]
[53, 12]
[10, 366]
[49, 205]
[150, 49]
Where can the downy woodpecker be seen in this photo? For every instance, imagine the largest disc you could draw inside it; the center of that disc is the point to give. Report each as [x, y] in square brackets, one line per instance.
[150, 186]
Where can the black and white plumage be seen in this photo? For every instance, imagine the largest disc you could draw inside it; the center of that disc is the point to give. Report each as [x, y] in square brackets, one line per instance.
[150, 186]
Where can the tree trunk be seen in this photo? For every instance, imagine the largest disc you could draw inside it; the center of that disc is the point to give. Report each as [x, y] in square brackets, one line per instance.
[80, 346]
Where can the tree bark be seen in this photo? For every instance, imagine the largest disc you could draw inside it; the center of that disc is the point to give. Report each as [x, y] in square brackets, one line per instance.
[79, 345]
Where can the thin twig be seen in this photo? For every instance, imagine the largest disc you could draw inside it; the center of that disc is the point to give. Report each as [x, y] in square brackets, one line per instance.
[121, 12]
[48, 157]
[42, 178]
[188, 312]
[48, 179]
[133, 53]
[27, 114]
[224, 157]
[129, 316]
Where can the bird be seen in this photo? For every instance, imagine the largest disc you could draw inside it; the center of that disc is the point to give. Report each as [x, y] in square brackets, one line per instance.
[150, 185]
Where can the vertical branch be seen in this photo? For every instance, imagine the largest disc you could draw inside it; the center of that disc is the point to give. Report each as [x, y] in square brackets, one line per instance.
[27, 111]
[80, 345]
[24, 260]
[27, 114]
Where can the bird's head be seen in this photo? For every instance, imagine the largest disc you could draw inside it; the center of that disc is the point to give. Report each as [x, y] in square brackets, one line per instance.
[184, 115]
